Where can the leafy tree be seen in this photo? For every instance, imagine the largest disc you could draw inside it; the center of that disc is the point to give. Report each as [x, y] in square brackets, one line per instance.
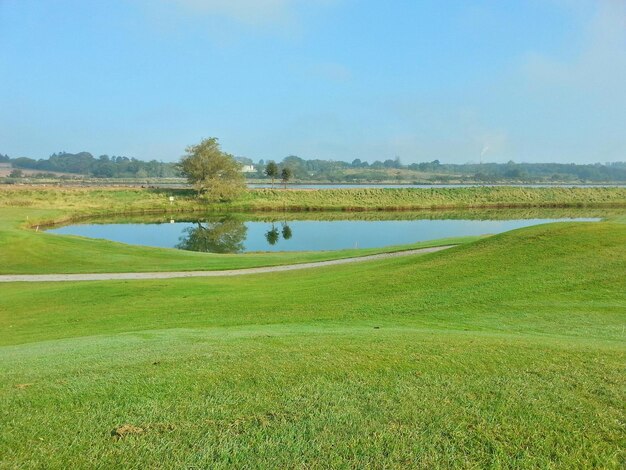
[214, 174]
[271, 170]
[285, 175]
[104, 170]
[24, 162]
[244, 160]
[16, 174]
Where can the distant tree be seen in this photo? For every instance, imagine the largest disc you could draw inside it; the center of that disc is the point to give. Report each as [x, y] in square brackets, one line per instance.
[285, 175]
[24, 162]
[300, 168]
[214, 174]
[104, 170]
[244, 160]
[271, 170]
[16, 174]
[356, 163]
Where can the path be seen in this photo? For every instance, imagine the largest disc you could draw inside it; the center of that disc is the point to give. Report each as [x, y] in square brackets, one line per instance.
[230, 272]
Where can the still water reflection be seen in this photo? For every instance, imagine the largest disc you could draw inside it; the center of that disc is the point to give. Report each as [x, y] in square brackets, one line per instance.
[223, 236]
[230, 234]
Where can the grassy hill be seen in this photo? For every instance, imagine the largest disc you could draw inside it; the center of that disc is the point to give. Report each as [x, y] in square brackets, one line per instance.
[507, 352]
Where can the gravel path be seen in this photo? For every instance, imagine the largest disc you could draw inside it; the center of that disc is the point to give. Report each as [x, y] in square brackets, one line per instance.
[230, 272]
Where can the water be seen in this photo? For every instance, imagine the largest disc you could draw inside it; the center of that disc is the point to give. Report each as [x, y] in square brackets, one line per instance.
[234, 235]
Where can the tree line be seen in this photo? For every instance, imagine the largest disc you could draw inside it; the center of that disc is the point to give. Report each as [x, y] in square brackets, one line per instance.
[358, 170]
[296, 168]
[84, 163]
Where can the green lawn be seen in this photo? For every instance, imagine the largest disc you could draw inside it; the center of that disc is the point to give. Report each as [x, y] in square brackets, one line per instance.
[506, 352]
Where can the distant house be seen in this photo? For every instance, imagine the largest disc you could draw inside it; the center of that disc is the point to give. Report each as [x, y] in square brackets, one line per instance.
[247, 169]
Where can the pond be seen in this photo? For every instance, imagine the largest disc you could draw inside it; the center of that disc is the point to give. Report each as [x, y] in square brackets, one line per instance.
[236, 234]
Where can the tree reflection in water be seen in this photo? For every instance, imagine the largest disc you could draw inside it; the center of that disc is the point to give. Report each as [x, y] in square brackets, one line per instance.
[223, 236]
[272, 235]
[287, 231]
[226, 235]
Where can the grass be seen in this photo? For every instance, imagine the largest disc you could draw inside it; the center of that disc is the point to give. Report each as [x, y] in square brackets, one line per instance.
[27, 251]
[137, 200]
[504, 352]
[411, 198]
[507, 352]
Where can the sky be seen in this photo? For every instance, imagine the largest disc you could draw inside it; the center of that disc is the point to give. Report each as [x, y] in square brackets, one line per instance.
[454, 80]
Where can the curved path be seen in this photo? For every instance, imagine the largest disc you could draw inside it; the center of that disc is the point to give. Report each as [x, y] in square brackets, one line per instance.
[230, 272]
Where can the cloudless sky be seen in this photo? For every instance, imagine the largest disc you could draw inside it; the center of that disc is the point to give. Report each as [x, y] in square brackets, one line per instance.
[454, 80]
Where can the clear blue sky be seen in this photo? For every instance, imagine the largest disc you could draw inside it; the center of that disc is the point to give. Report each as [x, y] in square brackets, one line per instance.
[527, 80]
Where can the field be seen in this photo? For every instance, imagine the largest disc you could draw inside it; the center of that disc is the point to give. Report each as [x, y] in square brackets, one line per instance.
[504, 352]
[136, 200]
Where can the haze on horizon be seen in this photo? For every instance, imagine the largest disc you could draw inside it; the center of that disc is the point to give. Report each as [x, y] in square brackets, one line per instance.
[457, 81]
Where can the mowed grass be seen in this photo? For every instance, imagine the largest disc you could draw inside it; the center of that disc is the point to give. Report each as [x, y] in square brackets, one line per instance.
[507, 352]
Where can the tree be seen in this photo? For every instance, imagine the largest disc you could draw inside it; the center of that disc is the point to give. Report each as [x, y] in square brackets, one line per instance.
[285, 175]
[271, 170]
[104, 170]
[214, 174]
[16, 174]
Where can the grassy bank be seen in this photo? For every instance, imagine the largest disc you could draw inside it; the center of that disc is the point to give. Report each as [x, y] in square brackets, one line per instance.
[137, 200]
[505, 353]
[435, 198]
[26, 251]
